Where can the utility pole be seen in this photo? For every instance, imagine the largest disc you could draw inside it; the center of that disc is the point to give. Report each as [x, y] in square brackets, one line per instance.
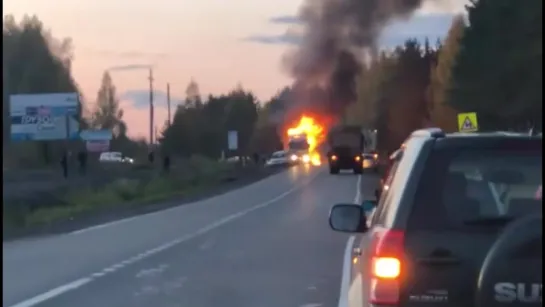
[151, 107]
[168, 104]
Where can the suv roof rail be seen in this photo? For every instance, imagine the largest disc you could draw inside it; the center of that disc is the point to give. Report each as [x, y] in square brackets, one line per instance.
[396, 155]
[429, 132]
[507, 133]
[515, 133]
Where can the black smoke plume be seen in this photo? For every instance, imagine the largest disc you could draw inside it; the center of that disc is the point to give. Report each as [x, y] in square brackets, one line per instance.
[337, 34]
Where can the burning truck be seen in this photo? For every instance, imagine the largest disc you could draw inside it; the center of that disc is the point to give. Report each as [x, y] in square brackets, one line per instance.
[298, 148]
[303, 139]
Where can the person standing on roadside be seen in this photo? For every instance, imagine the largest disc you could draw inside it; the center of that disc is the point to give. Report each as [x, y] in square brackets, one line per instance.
[166, 163]
[256, 158]
[64, 164]
[82, 159]
[151, 157]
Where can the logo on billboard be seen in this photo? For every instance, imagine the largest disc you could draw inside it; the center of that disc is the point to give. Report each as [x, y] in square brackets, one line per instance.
[40, 116]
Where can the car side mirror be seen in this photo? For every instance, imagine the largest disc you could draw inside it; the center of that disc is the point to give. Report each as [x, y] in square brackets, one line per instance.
[348, 218]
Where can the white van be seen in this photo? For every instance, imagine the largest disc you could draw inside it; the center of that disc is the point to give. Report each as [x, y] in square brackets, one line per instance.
[114, 156]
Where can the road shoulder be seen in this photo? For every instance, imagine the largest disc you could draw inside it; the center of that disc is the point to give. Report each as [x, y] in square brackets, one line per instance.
[132, 209]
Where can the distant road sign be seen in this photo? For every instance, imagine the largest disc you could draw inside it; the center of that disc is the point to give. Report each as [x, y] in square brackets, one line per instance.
[232, 140]
[98, 145]
[467, 122]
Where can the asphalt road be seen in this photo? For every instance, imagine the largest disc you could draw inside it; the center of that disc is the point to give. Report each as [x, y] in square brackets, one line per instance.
[267, 244]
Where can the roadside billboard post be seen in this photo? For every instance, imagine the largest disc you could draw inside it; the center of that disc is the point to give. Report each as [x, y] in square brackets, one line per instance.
[45, 117]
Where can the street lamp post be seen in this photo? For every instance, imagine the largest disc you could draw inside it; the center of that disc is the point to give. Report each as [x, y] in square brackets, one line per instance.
[151, 107]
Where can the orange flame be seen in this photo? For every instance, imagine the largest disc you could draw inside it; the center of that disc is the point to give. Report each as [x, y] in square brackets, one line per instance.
[313, 130]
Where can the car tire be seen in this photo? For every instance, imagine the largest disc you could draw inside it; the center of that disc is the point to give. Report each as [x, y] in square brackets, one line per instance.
[333, 170]
[358, 170]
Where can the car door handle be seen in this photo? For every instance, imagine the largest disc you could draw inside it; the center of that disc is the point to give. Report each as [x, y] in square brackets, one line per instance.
[439, 260]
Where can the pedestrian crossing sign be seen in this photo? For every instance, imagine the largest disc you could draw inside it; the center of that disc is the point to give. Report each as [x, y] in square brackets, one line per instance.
[467, 122]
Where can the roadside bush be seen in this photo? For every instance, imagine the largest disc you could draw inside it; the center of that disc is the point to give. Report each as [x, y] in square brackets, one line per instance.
[198, 173]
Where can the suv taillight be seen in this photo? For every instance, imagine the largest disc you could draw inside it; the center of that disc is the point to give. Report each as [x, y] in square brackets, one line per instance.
[386, 266]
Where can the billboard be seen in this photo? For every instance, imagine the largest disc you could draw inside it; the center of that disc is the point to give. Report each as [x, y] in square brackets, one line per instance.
[43, 117]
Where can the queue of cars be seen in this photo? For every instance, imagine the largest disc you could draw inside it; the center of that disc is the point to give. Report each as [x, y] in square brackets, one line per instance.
[458, 223]
[369, 161]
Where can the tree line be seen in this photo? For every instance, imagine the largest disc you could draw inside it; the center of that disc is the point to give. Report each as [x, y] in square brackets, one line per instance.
[489, 63]
[37, 62]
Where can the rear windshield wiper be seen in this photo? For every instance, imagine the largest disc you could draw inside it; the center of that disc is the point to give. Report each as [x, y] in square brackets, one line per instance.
[489, 221]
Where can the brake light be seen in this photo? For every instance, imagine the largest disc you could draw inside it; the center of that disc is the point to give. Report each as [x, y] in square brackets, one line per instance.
[386, 266]
[357, 158]
[334, 158]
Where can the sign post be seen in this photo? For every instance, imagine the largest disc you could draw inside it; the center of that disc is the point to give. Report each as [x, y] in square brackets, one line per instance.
[232, 140]
[232, 143]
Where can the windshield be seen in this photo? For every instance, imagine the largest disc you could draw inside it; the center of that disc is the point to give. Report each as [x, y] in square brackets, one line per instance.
[280, 154]
[298, 145]
[464, 185]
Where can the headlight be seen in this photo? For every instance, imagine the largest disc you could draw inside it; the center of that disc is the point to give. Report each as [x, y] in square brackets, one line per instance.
[306, 158]
[293, 158]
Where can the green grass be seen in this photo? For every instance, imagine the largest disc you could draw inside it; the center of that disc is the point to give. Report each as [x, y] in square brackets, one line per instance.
[201, 175]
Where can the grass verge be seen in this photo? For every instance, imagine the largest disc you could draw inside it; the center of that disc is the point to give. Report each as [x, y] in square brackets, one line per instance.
[199, 176]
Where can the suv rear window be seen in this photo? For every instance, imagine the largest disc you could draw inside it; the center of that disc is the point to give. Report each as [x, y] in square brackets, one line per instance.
[461, 185]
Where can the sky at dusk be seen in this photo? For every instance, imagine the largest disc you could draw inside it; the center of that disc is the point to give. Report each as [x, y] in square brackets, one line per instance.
[218, 43]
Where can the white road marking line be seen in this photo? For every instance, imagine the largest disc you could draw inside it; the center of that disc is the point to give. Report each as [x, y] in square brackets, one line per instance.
[347, 259]
[357, 198]
[82, 281]
[128, 219]
[55, 292]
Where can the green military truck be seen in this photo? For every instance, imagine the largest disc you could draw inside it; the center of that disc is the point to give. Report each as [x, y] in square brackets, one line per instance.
[346, 147]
